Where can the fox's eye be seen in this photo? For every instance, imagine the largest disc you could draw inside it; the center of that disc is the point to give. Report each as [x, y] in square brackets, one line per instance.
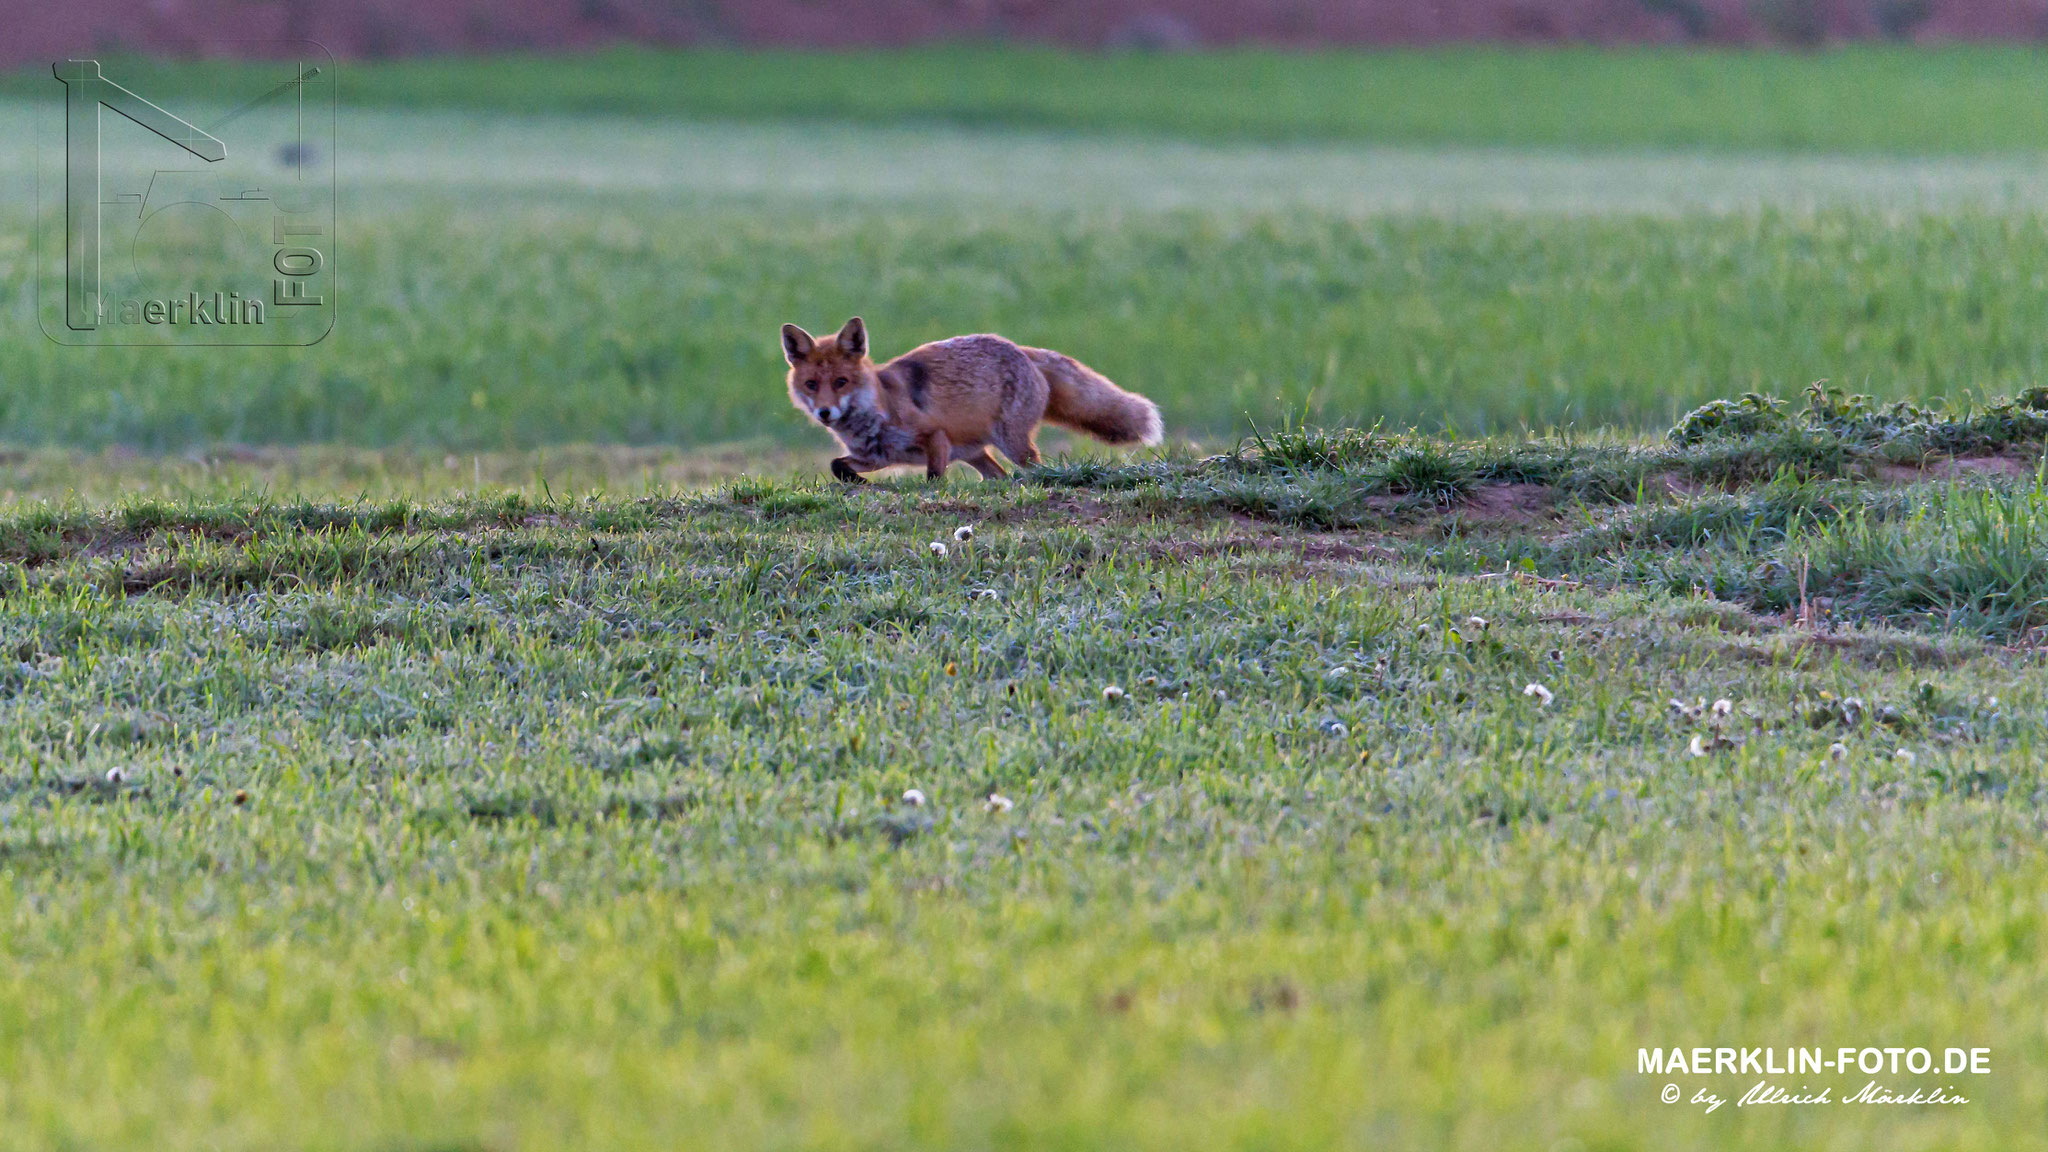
[811, 384]
[841, 382]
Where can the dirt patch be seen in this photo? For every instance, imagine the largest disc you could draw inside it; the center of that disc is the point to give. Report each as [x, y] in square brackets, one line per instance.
[1675, 484]
[1321, 548]
[1508, 504]
[1958, 468]
[1062, 505]
[2006, 466]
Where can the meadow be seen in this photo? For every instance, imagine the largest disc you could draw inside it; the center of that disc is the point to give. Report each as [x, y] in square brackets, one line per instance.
[489, 729]
[1480, 278]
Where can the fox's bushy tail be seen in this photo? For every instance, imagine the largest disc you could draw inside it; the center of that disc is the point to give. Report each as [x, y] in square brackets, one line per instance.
[1086, 401]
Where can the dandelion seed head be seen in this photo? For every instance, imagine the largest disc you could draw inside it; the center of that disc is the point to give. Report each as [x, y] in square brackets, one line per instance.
[1723, 707]
[963, 533]
[938, 548]
[913, 797]
[1111, 693]
[1838, 751]
[1542, 695]
[997, 802]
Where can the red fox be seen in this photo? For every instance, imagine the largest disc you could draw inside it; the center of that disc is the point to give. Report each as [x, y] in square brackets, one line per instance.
[952, 401]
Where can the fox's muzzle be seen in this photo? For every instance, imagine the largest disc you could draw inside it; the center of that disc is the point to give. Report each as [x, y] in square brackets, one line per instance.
[827, 415]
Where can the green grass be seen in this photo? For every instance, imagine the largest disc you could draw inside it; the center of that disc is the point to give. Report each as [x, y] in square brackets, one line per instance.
[1231, 280]
[574, 820]
[488, 730]
[1780, 516]
[658, 323]
[1865, 98]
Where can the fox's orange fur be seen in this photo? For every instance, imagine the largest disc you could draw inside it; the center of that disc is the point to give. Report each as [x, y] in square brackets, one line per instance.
[952, 400]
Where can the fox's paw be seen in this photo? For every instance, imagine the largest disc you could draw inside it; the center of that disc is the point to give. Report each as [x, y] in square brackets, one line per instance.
[844, 472]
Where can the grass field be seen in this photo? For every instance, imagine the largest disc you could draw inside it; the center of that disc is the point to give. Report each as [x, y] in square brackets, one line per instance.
[1481, 291]
[1910, 101]
[432, 739]
[492, 820]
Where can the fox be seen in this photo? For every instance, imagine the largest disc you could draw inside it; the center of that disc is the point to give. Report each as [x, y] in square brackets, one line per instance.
[953, 400]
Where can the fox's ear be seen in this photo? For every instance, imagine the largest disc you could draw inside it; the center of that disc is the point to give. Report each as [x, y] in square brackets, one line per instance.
[853, 339]
[796, 343]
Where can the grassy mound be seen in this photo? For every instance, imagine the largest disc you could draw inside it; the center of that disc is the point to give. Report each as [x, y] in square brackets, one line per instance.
[1849, 509]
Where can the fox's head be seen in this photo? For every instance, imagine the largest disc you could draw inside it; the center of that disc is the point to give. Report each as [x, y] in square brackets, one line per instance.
[826, 376]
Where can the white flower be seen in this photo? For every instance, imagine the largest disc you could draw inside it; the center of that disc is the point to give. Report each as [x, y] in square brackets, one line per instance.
[1336, 728]
[1838, 751]
[963, 533]
[1723, 707]
[988, 594]
[1111, 694]
[913, 797]
[1904, 756]
[997, 802]
[1696, 748]
[117, 775]
[1477, 622]
[1543, 695]
[938, 549]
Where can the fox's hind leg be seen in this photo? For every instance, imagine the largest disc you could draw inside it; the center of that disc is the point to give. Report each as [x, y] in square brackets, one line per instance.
[848, 470]
[981, 462]
[1019, 444]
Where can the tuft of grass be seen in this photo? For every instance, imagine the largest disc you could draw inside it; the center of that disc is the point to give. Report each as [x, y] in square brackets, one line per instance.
[1428, 470]
[1974, 558]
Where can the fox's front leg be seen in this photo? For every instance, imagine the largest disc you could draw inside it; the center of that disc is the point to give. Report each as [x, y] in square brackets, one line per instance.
[848, 470]
[938, 452]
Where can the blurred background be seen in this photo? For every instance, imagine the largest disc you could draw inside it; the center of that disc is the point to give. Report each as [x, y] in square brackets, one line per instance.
[581, 222]
[386, 27]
